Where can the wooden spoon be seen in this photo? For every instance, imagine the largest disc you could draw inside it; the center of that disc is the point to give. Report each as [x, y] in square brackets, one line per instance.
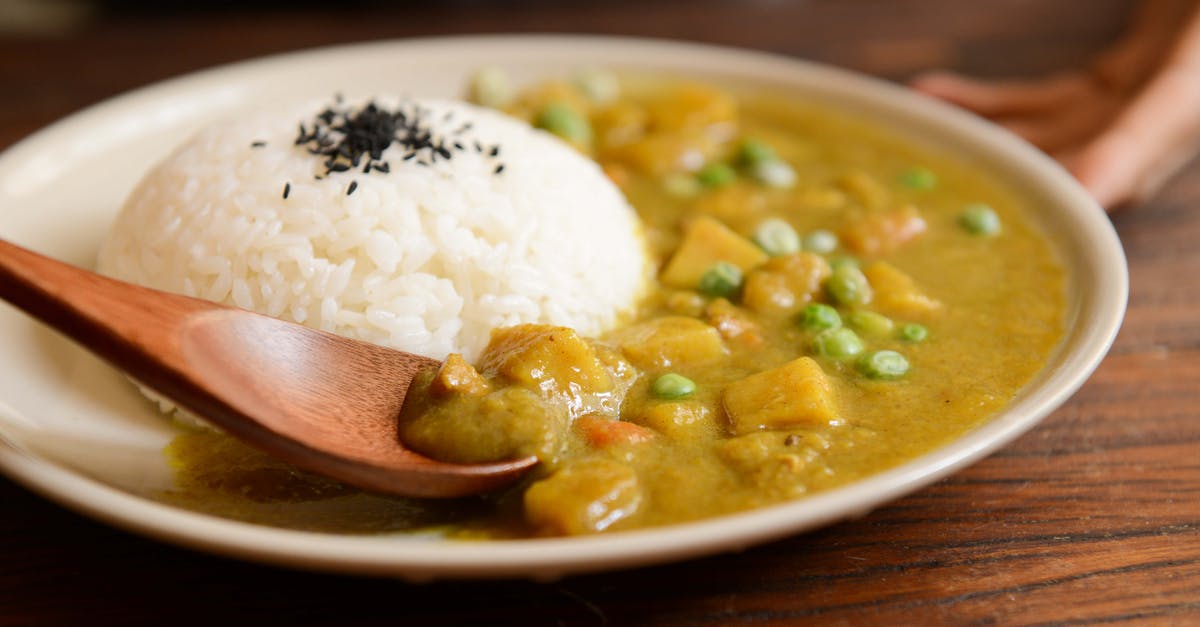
[322, 402]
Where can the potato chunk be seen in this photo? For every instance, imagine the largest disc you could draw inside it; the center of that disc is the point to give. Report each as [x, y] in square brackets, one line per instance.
[456, 376]
[547, 358]
[784, 284]
[706, 242]
[882, 233]
[585, 497]
[796, 394]
[896, 293]
[670, 341]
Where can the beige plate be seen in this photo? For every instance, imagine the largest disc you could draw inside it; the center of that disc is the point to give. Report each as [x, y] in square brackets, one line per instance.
[73, 430]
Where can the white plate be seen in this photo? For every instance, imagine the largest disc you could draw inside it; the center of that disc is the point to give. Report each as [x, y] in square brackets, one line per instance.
[73, 430]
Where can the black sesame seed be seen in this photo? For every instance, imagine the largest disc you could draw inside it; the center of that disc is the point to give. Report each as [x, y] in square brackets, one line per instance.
[495, 151]
[258, 144]
[353, 186]
[287, 189]
[499, 169]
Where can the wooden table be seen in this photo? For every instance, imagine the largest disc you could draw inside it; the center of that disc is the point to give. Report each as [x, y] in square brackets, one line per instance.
[1091, 517]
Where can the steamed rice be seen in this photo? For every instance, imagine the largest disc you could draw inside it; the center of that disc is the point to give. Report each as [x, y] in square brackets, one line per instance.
[423, 258]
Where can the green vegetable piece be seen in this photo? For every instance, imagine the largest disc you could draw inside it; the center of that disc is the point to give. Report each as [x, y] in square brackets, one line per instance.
[491, 87]
[820, 241]
[682, 185]
[818, 317]
[847, 285]
[913, 332]
[838, 262]
[777, 238]
[884, 365]
[919, 178]
[980, 219]
[774, 173]
[755, 151]
[716, 175]
[559, 118]
[721, 279]
[598, 85]
[671, 386]
[870, 323]
[839, 343]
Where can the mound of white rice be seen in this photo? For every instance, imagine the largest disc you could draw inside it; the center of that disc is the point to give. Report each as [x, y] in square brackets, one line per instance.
[427, 257]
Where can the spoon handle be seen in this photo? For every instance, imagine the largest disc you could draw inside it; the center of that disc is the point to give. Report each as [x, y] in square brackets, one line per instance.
[133, 327]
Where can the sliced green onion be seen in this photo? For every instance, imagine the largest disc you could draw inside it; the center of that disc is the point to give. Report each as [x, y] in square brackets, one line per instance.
[777, 237]
[884, 365]
[774, 173]
[913, 332]
[919, 178]
[559, 118]
[721, 279]
[716, 175]
[820, 241]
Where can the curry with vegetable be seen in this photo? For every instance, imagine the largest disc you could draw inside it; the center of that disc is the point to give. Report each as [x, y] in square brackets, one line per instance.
[831, 301]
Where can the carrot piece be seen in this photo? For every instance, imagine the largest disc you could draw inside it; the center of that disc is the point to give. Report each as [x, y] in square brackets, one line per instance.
[601, 432]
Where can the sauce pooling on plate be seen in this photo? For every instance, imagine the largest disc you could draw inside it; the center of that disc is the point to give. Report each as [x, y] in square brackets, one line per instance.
[830, 301]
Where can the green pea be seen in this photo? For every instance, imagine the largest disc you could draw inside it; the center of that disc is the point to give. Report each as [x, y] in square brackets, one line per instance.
[913, 332]
[716, 175]
[838, 343]
[820, 241]
[918, 178]
[847, 285]
[838, 262]
[870, 323]
[559, 118]
[818, 317]
[755, 151]
[979, 219]
[777, 238]
[721, 279]
[883, 364]
[672, 386]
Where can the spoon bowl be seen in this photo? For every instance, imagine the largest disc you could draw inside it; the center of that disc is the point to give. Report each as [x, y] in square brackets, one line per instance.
[322, 402]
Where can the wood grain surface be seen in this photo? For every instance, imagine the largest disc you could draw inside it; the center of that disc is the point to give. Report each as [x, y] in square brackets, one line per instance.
[1093, 517]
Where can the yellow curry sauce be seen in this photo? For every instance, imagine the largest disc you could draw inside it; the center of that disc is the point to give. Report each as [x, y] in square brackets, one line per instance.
[939, 319]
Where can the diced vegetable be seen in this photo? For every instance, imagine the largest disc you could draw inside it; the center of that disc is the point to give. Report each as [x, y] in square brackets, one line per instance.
[980, 219]
[673, 386]
[548, 358]
[732, 323]
[775, 173]
[818, 317]
[600, 86]
[776, 237]
[669, 341]
[716, 175]
[913, 332]
[820, 241]
[795, 394]
[491, 87]
[863, 188]
[785, 283]
[919, 178]
[563, 120]
[456, 376]
[676, 419]
[588, 496]
[706, 242]
[847, 285]
[884, 232]
[884, 365]
[722, 279]
[838, 343]
[602, 431]
[755, 151]
[870, 323]
[896, 293]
